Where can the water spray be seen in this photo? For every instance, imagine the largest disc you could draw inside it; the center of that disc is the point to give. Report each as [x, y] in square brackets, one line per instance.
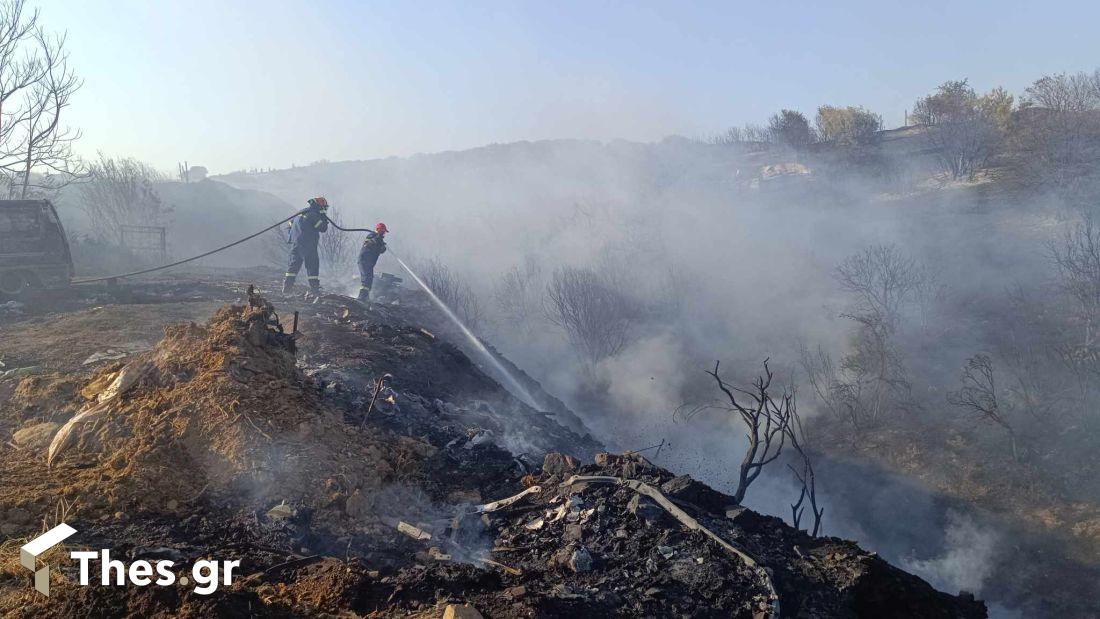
[514, 383]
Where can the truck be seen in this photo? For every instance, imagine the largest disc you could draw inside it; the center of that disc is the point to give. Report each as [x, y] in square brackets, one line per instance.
[34, 250]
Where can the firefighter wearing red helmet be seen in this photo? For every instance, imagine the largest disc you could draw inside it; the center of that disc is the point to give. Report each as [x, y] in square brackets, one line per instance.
[373, 247]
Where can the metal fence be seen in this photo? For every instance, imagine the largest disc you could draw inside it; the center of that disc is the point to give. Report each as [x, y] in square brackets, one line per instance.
[148, 241]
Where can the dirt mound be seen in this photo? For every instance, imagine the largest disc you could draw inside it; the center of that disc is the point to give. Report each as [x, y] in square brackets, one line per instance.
[213, 409]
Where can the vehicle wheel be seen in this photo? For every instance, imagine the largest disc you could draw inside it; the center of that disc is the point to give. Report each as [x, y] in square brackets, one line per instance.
[12, 283]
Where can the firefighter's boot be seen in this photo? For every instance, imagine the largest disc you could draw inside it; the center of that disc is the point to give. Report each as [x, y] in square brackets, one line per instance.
[364, 295]
[288, 284]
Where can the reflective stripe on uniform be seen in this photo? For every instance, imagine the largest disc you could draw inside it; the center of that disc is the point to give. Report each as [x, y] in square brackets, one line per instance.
[317, 277]
[291, 275]
[364, 288]
[319, 222]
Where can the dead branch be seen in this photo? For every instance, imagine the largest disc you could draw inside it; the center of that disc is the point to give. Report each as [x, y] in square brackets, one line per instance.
[979, 395]
[767, 422]
[807, 478]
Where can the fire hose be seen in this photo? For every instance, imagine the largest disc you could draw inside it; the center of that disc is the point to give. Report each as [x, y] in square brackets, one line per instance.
[109, 278]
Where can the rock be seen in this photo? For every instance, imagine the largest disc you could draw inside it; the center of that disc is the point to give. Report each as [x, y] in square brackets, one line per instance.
[282, 511]
[464, 611]
[516, 592]
[580, 560]
[647, 510]
[172, 505]
[629, 471]
[559, 464]
[604, 459]
[684, 488]
[573, 533]
[357, 505]
[479, 438]
[735, 512]
[35, 437]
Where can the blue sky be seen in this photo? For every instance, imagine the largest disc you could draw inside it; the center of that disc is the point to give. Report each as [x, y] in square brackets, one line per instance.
[238, 84]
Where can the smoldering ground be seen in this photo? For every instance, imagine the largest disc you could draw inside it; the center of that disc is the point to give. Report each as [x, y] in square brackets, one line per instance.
[710, 267]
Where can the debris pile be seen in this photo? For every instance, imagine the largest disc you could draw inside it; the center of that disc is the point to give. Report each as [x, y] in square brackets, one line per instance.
[623, 537]
[365, 466]
[437, 390]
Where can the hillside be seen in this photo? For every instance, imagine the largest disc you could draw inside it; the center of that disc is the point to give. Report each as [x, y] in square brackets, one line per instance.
[731, 252]
[234, 438]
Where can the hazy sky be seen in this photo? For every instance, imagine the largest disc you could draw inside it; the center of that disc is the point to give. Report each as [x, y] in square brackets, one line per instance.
[234, 84]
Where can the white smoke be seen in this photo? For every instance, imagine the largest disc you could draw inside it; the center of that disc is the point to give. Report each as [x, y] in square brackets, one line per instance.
[967, 559]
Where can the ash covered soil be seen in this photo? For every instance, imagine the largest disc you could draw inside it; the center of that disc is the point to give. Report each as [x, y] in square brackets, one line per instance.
[363, 466]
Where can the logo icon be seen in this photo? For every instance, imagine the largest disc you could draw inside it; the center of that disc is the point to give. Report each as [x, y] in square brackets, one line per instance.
[29, 553]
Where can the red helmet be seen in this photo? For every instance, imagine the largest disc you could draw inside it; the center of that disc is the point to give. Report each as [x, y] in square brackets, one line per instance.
[381, 228]
[319, 202]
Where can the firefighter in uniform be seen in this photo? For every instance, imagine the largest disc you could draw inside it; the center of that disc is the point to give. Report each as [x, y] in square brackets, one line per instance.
[305, 235]
[373, 247]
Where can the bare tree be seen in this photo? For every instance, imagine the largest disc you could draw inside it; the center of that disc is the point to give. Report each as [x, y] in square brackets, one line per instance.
[797, 436]
[882, 279]
[35, 147]
[751, 137]
[868, 382]
[597, 315]
[871, 378]
[929, 291]
[963, 128]
[518, 294]
[1077, 257]
[767, 424]
[336, 250]
[978, 394]
[1036, 349]
[18, 70]
[838, 397]
[1058, 129]
[453, 291]
[121, 192]
[47, 144]
[1079, 92]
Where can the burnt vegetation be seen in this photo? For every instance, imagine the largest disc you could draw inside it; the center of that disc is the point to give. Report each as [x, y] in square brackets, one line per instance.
[958, 346]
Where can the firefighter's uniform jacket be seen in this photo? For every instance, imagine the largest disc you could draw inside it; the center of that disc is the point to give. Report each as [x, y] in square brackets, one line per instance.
[305, 235]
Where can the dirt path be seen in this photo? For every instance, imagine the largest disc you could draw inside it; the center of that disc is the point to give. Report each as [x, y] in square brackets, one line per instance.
[62, 342]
